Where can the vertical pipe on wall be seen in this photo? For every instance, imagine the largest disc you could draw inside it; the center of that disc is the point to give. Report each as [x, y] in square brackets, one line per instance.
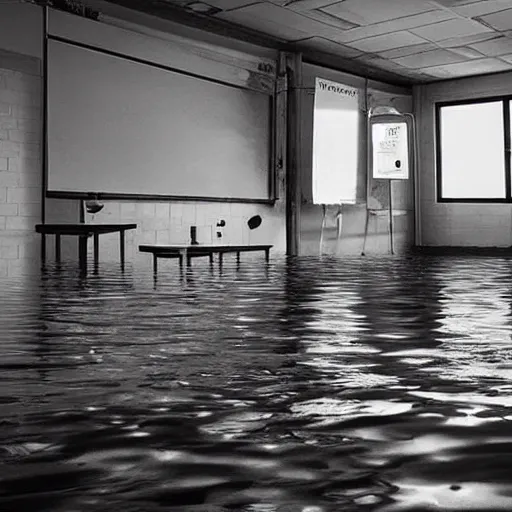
[279, 126]
[367, 149]
[293, 192]
[390, 184]
[416, 97]
[414, 174]
[367, 139]
[44, 131]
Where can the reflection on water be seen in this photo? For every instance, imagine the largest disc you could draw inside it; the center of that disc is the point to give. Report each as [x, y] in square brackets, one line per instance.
[304, 385]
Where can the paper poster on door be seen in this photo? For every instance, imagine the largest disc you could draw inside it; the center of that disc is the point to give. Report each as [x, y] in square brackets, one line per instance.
[390, 151]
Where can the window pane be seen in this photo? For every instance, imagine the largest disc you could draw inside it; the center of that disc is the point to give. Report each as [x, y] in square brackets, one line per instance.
[472, 151]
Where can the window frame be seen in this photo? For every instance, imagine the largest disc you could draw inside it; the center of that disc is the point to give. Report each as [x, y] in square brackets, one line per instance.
[505, 100]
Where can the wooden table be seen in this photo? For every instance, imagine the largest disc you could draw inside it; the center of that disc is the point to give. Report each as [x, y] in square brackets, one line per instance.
[83, 232]
[188, 252]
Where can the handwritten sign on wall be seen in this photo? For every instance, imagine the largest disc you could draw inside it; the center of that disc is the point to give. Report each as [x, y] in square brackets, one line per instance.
[336, 122]
[390, 155]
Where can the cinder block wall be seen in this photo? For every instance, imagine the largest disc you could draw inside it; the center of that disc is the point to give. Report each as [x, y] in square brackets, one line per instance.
[169, 223]
[20, 168]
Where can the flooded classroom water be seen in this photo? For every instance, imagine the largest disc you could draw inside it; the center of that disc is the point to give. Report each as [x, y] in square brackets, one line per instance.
[299, 385]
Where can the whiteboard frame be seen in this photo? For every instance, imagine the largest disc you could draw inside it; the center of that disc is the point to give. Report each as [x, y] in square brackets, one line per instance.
[272, 189]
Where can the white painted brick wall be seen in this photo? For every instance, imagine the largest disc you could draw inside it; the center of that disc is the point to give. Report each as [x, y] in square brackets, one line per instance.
[169, 223]
[20, 172]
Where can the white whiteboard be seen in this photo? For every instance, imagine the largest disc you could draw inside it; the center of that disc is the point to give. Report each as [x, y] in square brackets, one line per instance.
[122, 127]
[336, 121]
[390, 154]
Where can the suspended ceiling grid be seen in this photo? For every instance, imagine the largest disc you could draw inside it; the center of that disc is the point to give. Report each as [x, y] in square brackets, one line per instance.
[415, 40]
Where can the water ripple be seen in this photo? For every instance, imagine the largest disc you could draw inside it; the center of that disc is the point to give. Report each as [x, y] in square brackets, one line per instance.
[303, 385]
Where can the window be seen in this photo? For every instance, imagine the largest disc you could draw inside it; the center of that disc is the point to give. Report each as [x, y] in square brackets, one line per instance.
[473, 157]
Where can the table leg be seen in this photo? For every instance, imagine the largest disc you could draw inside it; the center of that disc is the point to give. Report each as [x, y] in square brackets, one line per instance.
[96, 249]
[155, 263]
[121, 247]
[57, 248]
[43, 250]
[184, 255]
[82, 252]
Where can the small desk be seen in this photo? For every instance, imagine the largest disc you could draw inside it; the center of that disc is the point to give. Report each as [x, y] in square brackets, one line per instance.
[83, 231]
[191, 251]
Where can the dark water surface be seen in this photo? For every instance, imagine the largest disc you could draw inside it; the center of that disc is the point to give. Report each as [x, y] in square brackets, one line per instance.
[306, 385]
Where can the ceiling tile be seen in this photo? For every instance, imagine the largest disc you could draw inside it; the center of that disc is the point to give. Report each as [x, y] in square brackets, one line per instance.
[366, 12]
[473, 67]
[481, 8]
[439, 73]
[321, 44]
[429, 59]
[449, 29]
[467, 40]
[247, 18]
[507, 58]
[396, 53]
[228, 5]
[467, 52]
[334, 21]
[278, 22]
[386, 27]
[377, 62]
[500, 46]
[499, 20]
[454, 3]
[306, 5]
[386, 42]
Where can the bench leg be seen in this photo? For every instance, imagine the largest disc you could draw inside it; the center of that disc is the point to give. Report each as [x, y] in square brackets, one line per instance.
[82, 252]
[121, 248]
[57, 248]
[96, 249]
[43, 251]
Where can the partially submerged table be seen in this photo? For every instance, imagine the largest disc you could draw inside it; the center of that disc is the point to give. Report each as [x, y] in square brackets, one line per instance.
[187, 252]
[83, 232]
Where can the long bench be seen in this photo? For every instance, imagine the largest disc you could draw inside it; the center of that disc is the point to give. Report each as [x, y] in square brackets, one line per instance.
[187, 252]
